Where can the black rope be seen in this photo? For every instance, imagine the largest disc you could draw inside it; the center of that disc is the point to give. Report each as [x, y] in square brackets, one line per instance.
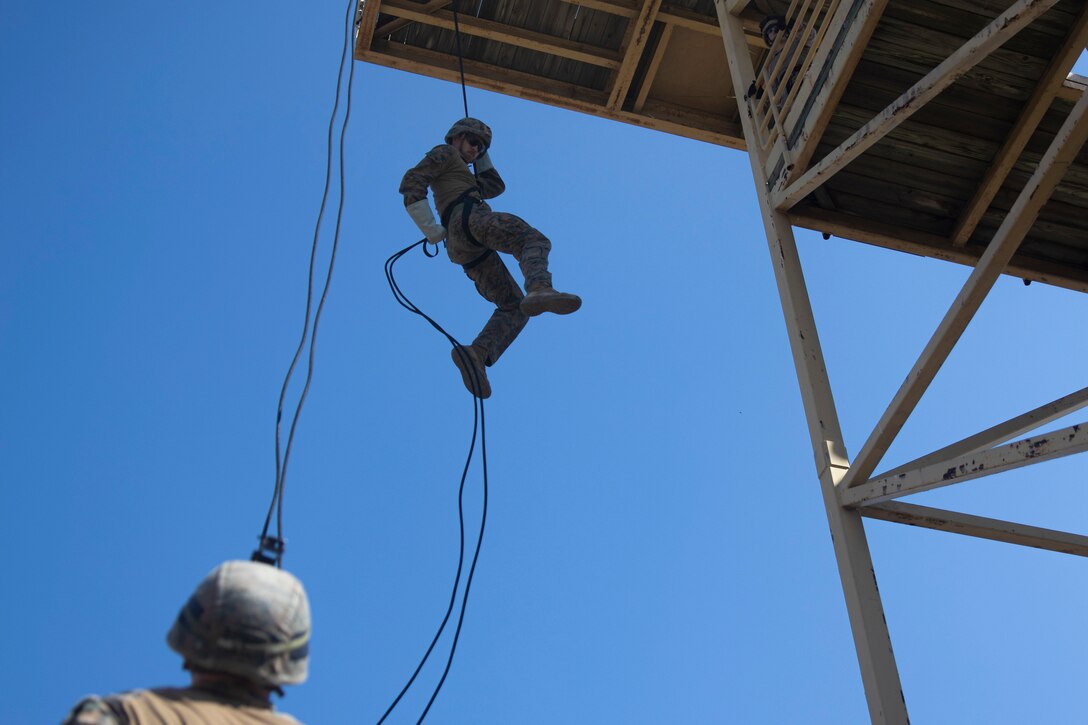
[478, 423]
[460, 58]
[271, 548]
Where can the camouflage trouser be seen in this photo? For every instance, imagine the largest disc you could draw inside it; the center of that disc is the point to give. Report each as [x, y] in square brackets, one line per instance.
[499, 232]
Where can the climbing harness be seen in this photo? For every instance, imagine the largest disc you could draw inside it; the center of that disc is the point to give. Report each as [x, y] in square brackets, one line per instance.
[270, 549]
[467, 202]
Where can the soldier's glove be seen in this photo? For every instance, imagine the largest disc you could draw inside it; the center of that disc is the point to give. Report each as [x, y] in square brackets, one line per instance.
[483, 163]
[421, 214]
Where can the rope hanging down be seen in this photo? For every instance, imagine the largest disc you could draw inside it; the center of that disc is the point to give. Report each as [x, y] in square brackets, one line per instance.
[460, 65]
[478, 422]
[271, 548]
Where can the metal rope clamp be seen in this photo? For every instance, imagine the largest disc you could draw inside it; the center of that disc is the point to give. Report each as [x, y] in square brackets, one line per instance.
[270, 551]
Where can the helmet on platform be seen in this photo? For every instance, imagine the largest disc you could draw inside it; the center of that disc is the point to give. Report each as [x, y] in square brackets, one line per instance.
[248, 619]
[474, 126]
[769, 23]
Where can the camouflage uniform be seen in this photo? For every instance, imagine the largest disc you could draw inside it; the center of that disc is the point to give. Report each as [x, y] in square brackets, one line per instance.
[448, 176]
[178, 706]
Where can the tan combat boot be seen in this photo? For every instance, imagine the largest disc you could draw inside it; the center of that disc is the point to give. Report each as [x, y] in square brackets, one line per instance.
[546, 299]
[469, 359]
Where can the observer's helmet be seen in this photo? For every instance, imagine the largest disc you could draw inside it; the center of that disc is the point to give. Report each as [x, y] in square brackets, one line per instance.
[477, 128]
[769, 23]
[248, 619]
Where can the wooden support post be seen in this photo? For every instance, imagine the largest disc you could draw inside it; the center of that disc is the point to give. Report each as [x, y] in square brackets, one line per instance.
[1067, 143]
[983, 528]
[871, 640]
[992, 37]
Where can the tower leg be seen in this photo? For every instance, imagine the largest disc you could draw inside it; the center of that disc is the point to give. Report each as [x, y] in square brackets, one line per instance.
[871, 639]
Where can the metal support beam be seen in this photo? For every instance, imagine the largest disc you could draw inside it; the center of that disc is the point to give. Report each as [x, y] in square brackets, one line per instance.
[992, 37]
[871, 639]
[1018, 138]
[999, 434]
[983, 528]
[1045, 447]
[1067, 143]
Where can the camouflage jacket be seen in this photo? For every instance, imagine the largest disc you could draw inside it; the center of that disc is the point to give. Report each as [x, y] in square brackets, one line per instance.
[448, 176]
[177, 706]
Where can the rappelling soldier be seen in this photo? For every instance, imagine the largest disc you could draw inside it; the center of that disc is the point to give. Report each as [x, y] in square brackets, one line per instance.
[473, 234]
[243, 634]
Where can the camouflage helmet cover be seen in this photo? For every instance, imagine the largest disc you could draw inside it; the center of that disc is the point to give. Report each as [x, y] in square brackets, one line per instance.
[769, 23]
[470, 125]
[248, 619]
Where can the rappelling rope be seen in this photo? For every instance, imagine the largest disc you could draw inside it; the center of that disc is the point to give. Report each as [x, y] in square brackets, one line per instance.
[270, 549]
[460, 61]
[478, 423]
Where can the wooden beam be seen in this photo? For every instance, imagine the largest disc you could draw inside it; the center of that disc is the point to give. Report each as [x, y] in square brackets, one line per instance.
[392, 26]
[635, 40]
[623, 8]
[1036, 107]
[1044, 447]
[651, 70]
[888, 236]
[688, 19]
[366, 27]
[1066, 145]
[803, 141]
[656, 115]
[990, 38]
[999, 434]
[506, 34]
[978, 526]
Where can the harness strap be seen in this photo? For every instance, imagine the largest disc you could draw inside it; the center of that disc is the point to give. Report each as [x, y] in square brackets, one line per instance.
[467, 201]
[477, 261]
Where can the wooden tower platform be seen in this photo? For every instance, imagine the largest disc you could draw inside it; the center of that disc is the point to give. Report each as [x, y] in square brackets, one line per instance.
[946, 128]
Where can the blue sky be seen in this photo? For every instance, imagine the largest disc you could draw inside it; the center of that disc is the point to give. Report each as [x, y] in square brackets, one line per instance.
[656, 546]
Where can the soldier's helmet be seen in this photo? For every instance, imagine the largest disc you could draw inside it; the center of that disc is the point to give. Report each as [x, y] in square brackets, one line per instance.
[769, 23]
[248, 619]
[476, 127]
